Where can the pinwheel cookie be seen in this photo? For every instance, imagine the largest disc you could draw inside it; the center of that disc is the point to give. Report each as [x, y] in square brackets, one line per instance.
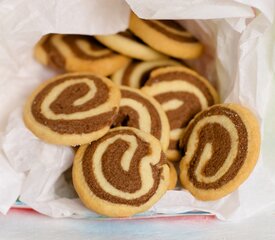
[126, 43]
[136, 73]
[182, 93]
[78, 53]
[143, 112]
[221, 147]
[122, 173]
[72, 109]
[166, 36]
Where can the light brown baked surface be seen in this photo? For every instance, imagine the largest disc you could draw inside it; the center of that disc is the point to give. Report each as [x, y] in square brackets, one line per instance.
[161, 42]
[52, 134]
[220, 170]
[93, 56]
[131, 202]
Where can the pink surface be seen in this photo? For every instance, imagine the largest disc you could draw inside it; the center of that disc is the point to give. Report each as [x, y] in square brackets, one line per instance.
[27, 224]
[29, 211]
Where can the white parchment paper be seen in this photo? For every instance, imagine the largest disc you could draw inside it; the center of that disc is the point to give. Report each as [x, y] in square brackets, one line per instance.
[239, 60]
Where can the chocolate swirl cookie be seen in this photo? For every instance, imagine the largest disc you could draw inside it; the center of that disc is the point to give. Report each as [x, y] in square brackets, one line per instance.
[78, 53]
[72, 109]
[136, 73]
[221, 148]
[182, 93]
[129, 45]
[166, 36]
[143, 112]
[122, 173]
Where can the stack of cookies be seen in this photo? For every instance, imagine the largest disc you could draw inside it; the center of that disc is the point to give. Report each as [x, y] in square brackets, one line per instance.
[135, 110]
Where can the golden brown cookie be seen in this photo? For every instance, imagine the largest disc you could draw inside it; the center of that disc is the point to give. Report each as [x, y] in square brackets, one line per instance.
[140, 111]
[173, 176]
[122, 173]
[129, 45]
[78, 53]
[166, 36]
[221, 146]
[136, 73]
[72, 109]
[182, 93]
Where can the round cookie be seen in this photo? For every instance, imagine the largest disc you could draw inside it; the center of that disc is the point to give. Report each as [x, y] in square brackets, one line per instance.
[221, 147]
[166, 36]
[182, 93]
[78, 53]
[143, 112]
[127, 44]
[173, 176]
[136, 73]
[72, 109]
[122, 173]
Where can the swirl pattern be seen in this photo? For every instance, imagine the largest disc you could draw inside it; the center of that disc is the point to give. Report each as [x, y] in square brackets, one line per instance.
[122, 173]
[72, 109]
[143, 112]
[78, 53]
[219, 151]
[166, 36]
[172, 30]
[182, 93]
[136, 73]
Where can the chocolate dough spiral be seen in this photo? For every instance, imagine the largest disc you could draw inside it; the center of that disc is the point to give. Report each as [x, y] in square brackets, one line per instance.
[123, 155]
[182, 94]
[78, 53]
[220, 142]
[143, 112]
[122, 173]
[136, 73]
[172, 30]
[61, 113]
[72, 109]
[83, 47]
[167, 37]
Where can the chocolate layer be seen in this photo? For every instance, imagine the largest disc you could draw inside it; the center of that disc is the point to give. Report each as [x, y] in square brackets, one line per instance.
[180, 117]
[126, 181]
[219, 138]
[172, 35]
[128, 72]
[94, 45]
[173, 145]
[55, 58]
[172, 24]
[143, 78]
[63, 104]
[129, 35]
[172, 76]
[58, 60]
[127, 116]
